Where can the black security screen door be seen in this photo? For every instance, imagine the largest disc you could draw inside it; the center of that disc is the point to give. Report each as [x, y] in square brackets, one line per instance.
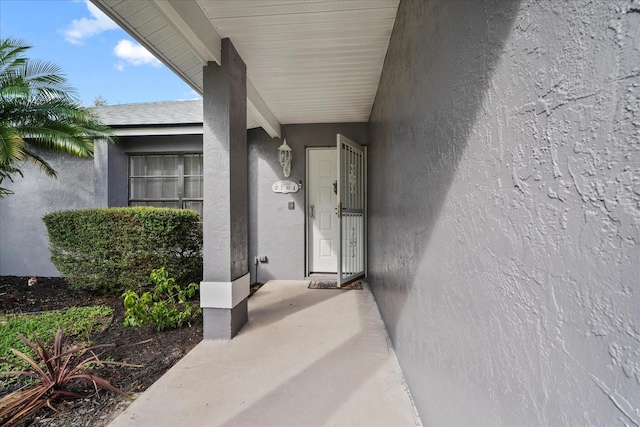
[351, 210]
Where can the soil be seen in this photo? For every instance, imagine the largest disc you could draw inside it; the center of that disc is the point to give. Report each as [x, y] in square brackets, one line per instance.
[157, 355]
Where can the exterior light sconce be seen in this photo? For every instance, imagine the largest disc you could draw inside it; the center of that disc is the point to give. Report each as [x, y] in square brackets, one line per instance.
[284, 154]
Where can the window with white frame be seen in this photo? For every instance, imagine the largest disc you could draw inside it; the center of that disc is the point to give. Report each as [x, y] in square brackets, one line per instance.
[166, 180]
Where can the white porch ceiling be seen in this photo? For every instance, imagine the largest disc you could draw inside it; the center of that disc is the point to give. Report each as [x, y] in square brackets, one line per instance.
[308, 61]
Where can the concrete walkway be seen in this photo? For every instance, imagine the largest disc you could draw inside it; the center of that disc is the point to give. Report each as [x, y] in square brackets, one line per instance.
[306, 358]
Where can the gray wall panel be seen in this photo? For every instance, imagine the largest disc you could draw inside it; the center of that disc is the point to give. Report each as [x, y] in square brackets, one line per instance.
[504, 210]
[238, 152]
[24, 244]
[161, 144]
[225, 213]
[118, 178]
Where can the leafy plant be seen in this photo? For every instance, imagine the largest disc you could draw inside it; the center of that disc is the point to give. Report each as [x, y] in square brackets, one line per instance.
[166, 307]
[79, 322]
[114, 249]
[58, 371]
[253, 288]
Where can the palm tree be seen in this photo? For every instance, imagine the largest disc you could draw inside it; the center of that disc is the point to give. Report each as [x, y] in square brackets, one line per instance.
[38, 110]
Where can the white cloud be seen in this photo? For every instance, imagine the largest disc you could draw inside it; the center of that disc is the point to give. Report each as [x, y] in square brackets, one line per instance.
[191, 95]
[119, 66]
[83, 28]
[134, 54]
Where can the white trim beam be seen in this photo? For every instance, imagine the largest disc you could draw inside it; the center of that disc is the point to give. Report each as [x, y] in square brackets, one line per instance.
[123, 21]
[155, 131]
[224, 294]
[194, 28]
[262, 113]
[189, 21]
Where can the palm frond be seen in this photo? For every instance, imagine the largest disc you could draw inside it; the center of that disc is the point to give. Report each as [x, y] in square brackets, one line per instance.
[46, 77]
[6, 172]
[12, 86]
[59, 136]
[41, 163]
[38, 109]
[12, 145]
[10, 51]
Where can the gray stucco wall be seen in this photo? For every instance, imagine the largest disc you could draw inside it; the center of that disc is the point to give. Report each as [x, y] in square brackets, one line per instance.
[83, 183]
[274, 230]
[505, 210]
[24, 245]
[111, 175]
[225, 210]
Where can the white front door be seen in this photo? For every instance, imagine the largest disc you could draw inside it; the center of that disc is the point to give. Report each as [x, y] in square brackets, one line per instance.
[322, 221]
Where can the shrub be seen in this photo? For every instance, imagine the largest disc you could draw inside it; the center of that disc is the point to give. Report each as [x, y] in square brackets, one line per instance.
[113, 249]
[166, 307]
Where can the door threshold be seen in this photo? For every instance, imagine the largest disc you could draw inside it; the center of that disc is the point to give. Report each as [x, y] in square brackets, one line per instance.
[322, 276]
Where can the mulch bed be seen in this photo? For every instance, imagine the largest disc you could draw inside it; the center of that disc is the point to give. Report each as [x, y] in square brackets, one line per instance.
[158, 355]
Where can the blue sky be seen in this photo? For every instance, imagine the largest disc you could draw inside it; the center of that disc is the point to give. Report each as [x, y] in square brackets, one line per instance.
[98, 57]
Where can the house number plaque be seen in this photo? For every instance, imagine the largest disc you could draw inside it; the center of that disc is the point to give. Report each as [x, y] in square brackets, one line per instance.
[285, 187]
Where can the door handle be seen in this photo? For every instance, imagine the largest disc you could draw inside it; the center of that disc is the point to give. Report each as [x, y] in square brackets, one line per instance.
[312, 213]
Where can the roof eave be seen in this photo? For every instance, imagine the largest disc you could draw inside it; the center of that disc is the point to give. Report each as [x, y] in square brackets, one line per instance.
[190, 24]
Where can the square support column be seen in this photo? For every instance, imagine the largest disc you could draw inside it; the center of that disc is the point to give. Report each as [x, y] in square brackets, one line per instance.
[225, 286]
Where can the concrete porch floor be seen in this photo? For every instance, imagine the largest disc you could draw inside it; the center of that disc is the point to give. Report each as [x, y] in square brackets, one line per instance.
[305, 358]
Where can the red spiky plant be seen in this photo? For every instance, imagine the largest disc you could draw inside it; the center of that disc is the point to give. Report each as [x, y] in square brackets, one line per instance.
[56, 372]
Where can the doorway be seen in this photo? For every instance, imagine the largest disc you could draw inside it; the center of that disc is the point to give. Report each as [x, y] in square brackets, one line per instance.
[336, 211]
[322, 222]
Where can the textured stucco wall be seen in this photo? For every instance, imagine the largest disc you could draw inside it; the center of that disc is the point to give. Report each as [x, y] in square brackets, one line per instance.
[24, 245]
[225, 209]
[274, 230]
[505, 209]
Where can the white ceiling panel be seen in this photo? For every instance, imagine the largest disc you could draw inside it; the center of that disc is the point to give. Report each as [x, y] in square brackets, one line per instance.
[310, 61]
[231, 9]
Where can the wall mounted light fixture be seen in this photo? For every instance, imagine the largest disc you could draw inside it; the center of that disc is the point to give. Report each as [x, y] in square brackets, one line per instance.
[284, 154]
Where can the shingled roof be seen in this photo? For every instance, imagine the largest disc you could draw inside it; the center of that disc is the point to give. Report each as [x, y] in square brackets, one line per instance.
[151, 113]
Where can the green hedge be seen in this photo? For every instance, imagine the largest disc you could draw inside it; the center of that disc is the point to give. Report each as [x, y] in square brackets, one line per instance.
[113, 249]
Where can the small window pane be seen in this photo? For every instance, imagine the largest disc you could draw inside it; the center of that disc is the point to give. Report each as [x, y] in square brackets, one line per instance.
[137, 189]
[193, 164]
[157, 180]
[160, 204]
[154, 188]
[196, 206]
[170, 188]
[154, 165]
[170, 166]
[137, 166]
[193, 187]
